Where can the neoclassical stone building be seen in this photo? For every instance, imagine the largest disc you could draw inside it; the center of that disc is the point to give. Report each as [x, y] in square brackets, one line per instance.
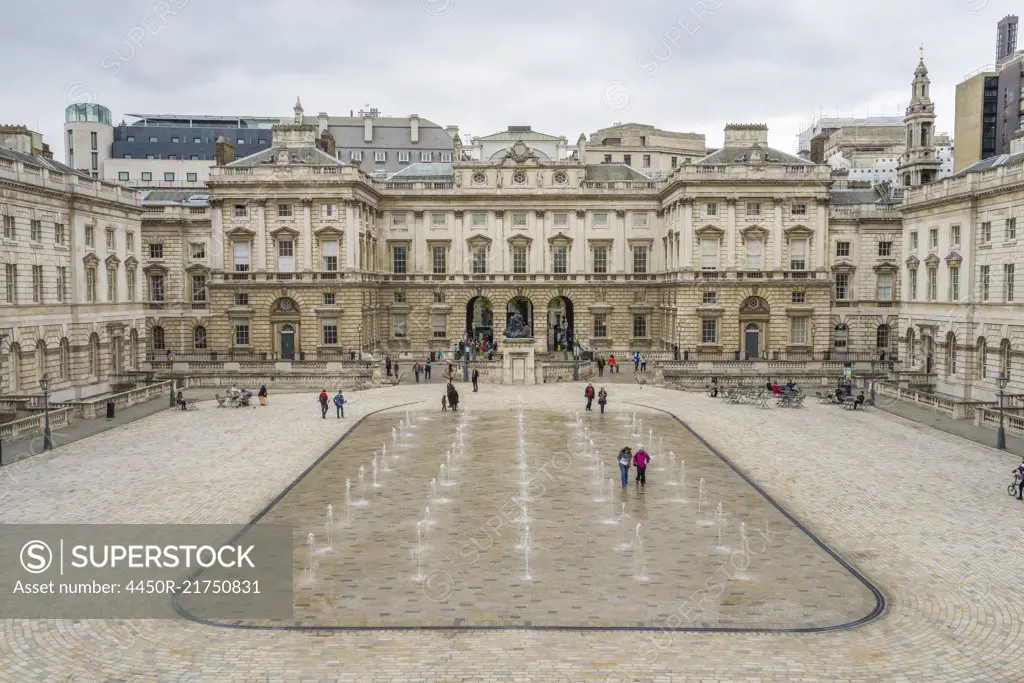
[309, 256]
[71, 306]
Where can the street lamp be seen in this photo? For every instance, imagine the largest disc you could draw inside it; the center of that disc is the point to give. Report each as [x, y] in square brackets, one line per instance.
[360, 342]
[44, 384]
[1002, 380]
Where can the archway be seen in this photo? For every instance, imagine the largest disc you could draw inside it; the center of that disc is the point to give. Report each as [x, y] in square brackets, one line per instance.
[752, 341]
[754, 315]
[285, 328]
[560, 330]
[479, 318]
[519, 318]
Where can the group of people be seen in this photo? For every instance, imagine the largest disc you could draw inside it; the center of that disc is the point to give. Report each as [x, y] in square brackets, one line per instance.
[339, 404]
[602, 397]
[777, 390]
[477, 349]
[639, 460]
[451, 397]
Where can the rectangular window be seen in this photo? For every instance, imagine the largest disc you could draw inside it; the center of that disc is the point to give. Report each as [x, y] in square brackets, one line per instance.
[1008, 282]
[112, 286]
[518, 259]
[607, 158]
[954, 235]
[709, 298]
[883, 287]
[90, 285]
[675, 161]
[842, 286]
[639, 220]
[755, 248]
[398, 325]
[798, 331]
[627, 159]
[330, 332]
[600, 325]
[913, 241]
[241, 299]
[156, 250]
[647, 161]
[709, 253]
[885, 249]
[59, 233]
[439, 323]
[986, 232]
[93, 143]
[1011, 228]
[192, 177]
[122, 176]
[380, 157]
[355, 156]
[35, 230]
[954, 284]
[440, 260]
[639, 258]
[912, 283]
[286, 257]
[933, 238]
[152, 138]
[709, 331]
[197, 141]
[559, 258]
[95, 162]
[284, 210]
[241, 333]
[328, 210]
[90, 236]
[711, 209]
[560, 219]
[519, 220]
[399, 220]
[843, 249]
[240, 252]
[985, 283]
[156, 288]
[438, 220]
[639, 325]
[398, 259]
[110, 240]
[9, 227]
[479, 260]
[240, 211]
[799, 210]
[403, 157]
[11, 273]
[37, 284]
[197, 251]
[129, 277]
[147, 176]
[798, 255]
[198, 288]
[933, 284]
[479, 220]
[168, 177]
[426, 157]
[240, 141]
[600, 259]
[328, 299]
[753, 208]
[329, 255]
[600, 220]
[62, 280]
[799, 297]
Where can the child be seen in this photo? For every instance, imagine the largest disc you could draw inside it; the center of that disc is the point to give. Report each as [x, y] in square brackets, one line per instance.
[640, 460]
[444, 402]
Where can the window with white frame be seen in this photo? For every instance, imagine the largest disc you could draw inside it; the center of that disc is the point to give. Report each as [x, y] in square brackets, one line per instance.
[933, 238]
[913, 241]
[842, 286]
[35, 230]
[912, 283]
[328, 299]
[519, 220]
[954, 283]
[328, 210]
[842, 337]
[601, 259]
[380, 157]
[446, 157]
[11, 282]
[755, 249]
[62, 283]
[559, 259]
[883, 287]
[560, 220]
[329, 255]
[601, 220]
[37, 284]
[885, 249]
[90, 236]
[329, 332]
[799, 297]
[439, 259]
[711, 209]
[112, 285]
[1011, 228]
[933, 284]
[240, 256]
[284, 210]
[600, 325]
[355, 156]
[90, 284]
[798, 254]
[438, 220]
[709, 331]
[156, 288]
[519, 259]
[9, 227]
[753, 208]
[479, 220]
[647, 160]
[439, 297]
[286, 256]
[426, 157]
[241, 298]
[398, 329]
[439, 325]
[199, 338]
[479, 259]
[1008, 282]
[986, 232]
[241, 332]
[842, 249]
[799, 209]
[198, 288]
[709, 253]
[639, 258]
[399, 220]
[129, 278]
[639, 325]
[985, 291]
[709, 298]
[403, 157]
[398, 259]
[197, 251]
[60, 235]
[798, 331]
[954, 235]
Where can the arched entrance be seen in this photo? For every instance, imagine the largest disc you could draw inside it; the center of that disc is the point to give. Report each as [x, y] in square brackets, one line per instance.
[287, 342]
[929, 350]
[519, 318]
[752, 341]
[479, 318]
[284, 322]
[754, 315]
[560, 330]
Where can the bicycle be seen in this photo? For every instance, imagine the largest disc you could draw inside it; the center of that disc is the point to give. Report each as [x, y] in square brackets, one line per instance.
[1015, 486]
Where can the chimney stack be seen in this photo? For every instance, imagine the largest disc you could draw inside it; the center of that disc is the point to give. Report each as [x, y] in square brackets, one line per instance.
[225, 151]
[1017, 142]
[321, 123]
[414, 127]
[367, 128]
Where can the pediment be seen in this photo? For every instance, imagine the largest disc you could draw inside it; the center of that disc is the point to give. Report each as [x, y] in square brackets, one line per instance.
[560, 240]
[709, 231]
[328, 233]
[798, 231]
[131, 262]
[241, 233]
[284, 233]
[887, 267]
[519, 240]
[112, 261]
[754, 232]
[843, 267]
[155, 268]
[913, 262]
[954, 259]
[479, 240]
[91, 260]
[931, 260]
[196, 268]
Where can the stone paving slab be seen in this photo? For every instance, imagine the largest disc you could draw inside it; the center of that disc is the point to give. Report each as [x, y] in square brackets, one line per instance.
[923, 514]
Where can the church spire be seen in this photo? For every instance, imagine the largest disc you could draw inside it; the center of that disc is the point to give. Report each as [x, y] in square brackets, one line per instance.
[919, 163]
[298, 111]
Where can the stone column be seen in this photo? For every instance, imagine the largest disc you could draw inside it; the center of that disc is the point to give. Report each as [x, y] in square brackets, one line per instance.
[259, 258]
[777, 234]
[687, 238]
[351, 235]
[730, 234]
[306, 235]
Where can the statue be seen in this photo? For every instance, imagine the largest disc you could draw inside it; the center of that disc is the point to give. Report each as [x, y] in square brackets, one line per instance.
[517, 328]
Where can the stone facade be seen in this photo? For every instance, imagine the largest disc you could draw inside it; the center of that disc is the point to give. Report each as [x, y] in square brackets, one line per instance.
[71, 301]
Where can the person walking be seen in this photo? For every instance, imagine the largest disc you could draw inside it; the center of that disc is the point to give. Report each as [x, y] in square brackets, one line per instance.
[600, 367]
[476, 379]
[602, 399]
[426, 370]
[387, 364]
[640, 460]
[339, 404]
[625, 458]
[643, 362]
[453, 397]
[395, 368]
[612, 366]
[636, 362]
[263, 395]
[588, 393]
[322, 398]
[444, 403]
[416, 371]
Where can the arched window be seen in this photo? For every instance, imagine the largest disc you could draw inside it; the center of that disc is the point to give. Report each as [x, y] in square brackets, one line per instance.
[950, 354]
[882, 337]
[199, 338]
[40, 358]
[156, 335]
[1004, 357]
[842, 336]
[65, 359]
[94, 355]
[15, 362]
[133, 349]
[982, 357]
[911, 343]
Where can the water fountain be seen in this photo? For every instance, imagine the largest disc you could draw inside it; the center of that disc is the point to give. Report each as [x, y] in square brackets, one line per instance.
[362, 481]
[639, 561]
[672, 469]
[433, 490]
[741, 572]
[309, 572]
[384, 460]
[448, 460]
[720, 547]
[418, 554]
[427, 520]
[700, 504]
[373, 471]
[348, 502]
[612, 517]
[329, 531]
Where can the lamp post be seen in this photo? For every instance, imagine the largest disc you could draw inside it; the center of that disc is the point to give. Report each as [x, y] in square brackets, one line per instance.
[44, 384]
[1002, 381]
[360, 342]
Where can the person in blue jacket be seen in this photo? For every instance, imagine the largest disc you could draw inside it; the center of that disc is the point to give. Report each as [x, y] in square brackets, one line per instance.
[339, 404]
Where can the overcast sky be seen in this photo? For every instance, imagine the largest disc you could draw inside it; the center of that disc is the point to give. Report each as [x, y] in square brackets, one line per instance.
[562, 66]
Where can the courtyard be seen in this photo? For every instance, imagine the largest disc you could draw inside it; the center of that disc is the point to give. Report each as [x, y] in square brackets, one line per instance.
[871, 547]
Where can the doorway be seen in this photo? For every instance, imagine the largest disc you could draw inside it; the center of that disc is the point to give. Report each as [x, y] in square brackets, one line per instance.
[752, 341]
[287, 342]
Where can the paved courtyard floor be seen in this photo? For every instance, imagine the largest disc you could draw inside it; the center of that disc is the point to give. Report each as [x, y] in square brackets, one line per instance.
[922, 515]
